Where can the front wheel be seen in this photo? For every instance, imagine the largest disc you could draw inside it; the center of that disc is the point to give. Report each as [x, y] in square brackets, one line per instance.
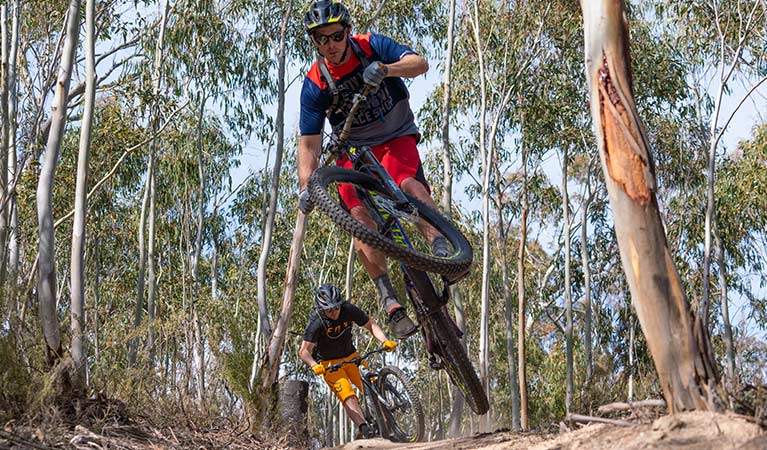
[402, 407]
[320, 189]
[442, 333]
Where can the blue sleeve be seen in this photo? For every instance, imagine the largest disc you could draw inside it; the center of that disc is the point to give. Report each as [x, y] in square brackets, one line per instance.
[313, 106]
[388, 49]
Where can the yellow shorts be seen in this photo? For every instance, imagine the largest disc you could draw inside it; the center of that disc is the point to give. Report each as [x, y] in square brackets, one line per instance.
[341, 380]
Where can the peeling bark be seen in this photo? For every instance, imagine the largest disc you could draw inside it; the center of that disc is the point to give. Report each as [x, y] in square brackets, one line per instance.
[679, 343]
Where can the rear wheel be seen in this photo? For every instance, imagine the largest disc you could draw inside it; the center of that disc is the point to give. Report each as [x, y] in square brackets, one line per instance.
[404, 410]
[323, 185]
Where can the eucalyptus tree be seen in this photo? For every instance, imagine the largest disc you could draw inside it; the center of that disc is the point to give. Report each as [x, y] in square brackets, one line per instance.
[47, 266]
[499, 56]
[266, 241]
[734, 56]
[208, 60]
[13, 247]
[77, 272]
[683, 359]
[740, 232]
[737, 31]
[4, 81]
[146, 245]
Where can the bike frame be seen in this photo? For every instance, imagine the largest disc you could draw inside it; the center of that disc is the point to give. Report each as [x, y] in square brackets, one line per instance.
[380, 414]
[364, 160]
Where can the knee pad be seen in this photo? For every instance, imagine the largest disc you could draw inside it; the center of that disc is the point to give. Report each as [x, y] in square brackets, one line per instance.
[343, 389]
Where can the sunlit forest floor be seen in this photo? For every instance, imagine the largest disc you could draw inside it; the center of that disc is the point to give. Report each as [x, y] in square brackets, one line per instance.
[688, 431]
[685, 431]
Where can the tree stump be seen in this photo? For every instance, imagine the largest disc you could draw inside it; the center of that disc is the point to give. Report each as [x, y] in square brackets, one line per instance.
[293, 406]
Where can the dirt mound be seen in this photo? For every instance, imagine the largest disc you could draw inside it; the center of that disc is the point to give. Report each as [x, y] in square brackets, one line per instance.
[684, 431]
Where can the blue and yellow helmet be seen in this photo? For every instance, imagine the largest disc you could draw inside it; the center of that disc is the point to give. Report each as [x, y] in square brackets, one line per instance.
[325, 12]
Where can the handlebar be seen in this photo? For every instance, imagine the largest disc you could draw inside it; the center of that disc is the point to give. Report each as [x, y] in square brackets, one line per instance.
[357, 360]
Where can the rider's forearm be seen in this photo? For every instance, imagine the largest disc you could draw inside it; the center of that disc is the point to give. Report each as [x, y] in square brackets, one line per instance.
[377, 332]
[410, 66]
[308, 160]
[307, 359]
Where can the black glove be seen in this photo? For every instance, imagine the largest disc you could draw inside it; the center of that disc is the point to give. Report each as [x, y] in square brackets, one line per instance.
[375, 73]
[305, 203]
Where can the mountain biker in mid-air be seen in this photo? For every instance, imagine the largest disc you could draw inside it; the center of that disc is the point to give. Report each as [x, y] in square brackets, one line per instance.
[328, 340]
[385, 122]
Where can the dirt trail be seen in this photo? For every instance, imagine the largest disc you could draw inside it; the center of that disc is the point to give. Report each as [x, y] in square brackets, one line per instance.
[685, 431]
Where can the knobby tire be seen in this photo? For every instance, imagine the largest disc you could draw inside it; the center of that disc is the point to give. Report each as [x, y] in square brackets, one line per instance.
[416, 410]
[442, 330]
[455, 264]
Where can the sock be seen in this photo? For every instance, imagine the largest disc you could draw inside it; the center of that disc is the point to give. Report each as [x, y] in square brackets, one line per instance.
[440, 246]
[387, 293]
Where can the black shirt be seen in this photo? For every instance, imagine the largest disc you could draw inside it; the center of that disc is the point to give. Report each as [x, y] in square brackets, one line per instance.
[334, 337]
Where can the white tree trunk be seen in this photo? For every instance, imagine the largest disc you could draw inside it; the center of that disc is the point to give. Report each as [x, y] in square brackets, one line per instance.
[149, 201]
[141, 276]
[199, 336]
[13, 244]
[447, 203]
[728, 339]
[266, 242]
[77, 266]
[4, 80]
[569, 384]
[587, 325]
[271, 363]
[47, 266]
[509, 316]
[487, 155]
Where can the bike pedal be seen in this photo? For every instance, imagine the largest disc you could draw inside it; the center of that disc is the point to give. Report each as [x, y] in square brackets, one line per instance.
[436, 365]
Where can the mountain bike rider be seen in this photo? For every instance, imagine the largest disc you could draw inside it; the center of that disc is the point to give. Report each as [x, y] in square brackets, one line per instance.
[328, 340]
[385, 122]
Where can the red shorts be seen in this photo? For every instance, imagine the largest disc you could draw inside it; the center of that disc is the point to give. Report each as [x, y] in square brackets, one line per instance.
[399, 157]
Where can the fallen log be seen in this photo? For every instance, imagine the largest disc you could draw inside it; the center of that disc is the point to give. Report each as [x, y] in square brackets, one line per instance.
[587, 419]
[622, 406]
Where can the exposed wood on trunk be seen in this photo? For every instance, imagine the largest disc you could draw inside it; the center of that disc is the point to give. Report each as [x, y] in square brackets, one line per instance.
[678, 343]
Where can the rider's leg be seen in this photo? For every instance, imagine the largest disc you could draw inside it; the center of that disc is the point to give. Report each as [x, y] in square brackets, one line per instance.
[354, 410]
[439, 244]
[374, 263]
[401, 159]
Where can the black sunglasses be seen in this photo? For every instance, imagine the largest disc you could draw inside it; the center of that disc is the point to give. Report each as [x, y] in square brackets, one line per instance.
[323, 39]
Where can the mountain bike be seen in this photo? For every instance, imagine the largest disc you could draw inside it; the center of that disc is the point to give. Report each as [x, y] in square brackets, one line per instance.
[391, 405]
[395, 212]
